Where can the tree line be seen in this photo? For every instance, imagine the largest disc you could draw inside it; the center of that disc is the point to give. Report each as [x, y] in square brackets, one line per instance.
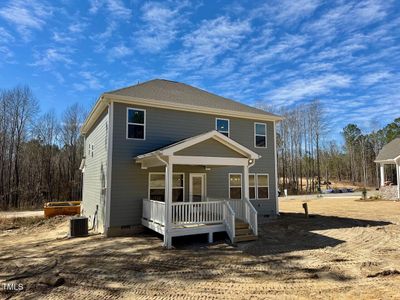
[40, 153]
[308, 160]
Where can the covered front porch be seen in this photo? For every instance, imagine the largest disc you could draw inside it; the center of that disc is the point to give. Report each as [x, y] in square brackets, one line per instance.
[170, 214]
[389, 161]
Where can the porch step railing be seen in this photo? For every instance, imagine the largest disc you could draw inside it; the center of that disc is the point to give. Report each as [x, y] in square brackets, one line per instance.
[229, 220]
[251, 215]
[197, 212]
[246, 212]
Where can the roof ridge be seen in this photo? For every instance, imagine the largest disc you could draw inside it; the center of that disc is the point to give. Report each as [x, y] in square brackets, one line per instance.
[131, 86]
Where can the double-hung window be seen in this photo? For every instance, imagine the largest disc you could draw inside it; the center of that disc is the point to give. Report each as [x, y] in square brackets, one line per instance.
[235, 186]
[258, 186]
[222, 126]
[260, 135]
[157, 187]
[136, 124]
[262, 186]
[252, 186]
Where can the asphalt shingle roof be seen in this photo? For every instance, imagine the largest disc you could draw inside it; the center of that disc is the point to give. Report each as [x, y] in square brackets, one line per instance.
[389, 151]
[180, 93]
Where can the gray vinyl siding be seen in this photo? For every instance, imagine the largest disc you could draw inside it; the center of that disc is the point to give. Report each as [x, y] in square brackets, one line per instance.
[95, 174]
[165, 127]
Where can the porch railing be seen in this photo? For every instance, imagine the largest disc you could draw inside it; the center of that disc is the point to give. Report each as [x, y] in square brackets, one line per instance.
[197, 212]
[208, 212]
[154, 211]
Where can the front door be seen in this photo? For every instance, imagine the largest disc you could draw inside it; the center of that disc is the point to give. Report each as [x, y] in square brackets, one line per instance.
[197, 187]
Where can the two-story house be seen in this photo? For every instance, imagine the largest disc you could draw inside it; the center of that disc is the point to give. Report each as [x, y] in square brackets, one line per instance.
[178, 160]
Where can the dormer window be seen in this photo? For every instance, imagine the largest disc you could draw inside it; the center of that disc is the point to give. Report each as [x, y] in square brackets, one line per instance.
[222, 126]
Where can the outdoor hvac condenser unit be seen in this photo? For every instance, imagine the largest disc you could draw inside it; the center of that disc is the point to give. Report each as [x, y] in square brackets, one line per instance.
[78, 226]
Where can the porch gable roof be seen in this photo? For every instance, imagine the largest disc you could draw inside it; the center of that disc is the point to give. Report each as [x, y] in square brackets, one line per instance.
[390, 153]
[171, 150]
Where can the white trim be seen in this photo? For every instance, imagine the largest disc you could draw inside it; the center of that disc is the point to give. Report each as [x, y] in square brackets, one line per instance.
[109, 165]
[255, 186]
[208, 160]
[200, 138]
[241, 185]
[138, 124]
[255, 135]
[204, 182]
[258, 186]
[229, 126]
[276, 172]
[163, 173]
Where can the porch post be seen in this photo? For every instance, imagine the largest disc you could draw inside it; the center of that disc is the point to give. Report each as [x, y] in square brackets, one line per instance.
[382, 174]
[168, 208]
[398, 180]
[246, 182]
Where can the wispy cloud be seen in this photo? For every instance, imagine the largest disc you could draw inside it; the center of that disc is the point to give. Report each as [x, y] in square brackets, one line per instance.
[89, 80]
[210, 40]
[116, 8]
[49, 57]
[119, 52]
[161, 25]
[376, 77]
[287, 12]
[308, 88]
[26, 15]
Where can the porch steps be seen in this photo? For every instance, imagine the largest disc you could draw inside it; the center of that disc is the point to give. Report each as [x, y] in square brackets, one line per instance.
[243, 232]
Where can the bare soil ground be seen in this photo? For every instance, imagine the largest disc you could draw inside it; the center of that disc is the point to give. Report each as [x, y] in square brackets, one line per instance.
[347, 249]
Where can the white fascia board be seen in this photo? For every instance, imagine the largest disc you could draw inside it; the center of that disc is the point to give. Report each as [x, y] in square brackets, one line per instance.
[214, 135]
[94, 114]
[207, 160]
[191, 108]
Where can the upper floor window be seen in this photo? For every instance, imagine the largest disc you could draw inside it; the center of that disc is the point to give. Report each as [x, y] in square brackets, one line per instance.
[260, 135]
[222, 126]
[136, 124]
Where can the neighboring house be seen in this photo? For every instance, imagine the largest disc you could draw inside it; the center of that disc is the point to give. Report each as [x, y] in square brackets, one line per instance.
[389, 156]
[178, 160]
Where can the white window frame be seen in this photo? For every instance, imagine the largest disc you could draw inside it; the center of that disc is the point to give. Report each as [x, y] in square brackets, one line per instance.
[257, 186]
[131, 123]
[255, 135]
[241, 185]
[229, 126]
[163, 173]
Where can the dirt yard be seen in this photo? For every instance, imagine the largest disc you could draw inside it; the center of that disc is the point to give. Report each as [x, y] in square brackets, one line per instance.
[347, 249]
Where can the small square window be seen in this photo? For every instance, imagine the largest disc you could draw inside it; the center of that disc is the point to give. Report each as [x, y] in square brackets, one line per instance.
[222, 126]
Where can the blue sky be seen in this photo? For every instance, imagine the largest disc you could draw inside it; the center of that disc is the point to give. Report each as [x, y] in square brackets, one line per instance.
[273, 53]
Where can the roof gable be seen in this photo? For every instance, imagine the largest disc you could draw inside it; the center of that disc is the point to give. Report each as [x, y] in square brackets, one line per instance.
[188, 143]
[390, 151]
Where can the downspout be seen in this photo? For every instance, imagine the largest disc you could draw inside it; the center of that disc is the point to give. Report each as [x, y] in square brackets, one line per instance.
[276, 172]
[109, 166]
[167, 208]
